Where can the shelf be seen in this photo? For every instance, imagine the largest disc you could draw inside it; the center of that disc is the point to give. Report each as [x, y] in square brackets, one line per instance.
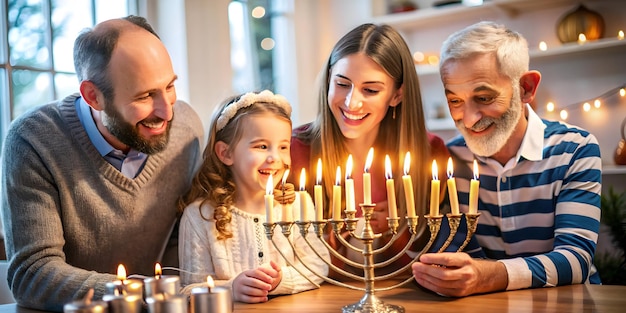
[440, 15]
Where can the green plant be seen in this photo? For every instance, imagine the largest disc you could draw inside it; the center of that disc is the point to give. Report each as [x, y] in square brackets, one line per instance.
[612, 267]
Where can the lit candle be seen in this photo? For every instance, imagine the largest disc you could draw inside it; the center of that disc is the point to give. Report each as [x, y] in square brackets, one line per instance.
[86, 305]
[454, 198]
[124, 286]
[367, 178]
[161, 284]
[408, 186]
[303, 208]
[269, 200]
[434, 192]
[211, 299]
[350, 201]
[391, 190]
[319, 205]
[582, 38]
[620, 35]
[165, 303]
[337, 196]
[287, 207]
[473, 196]
[543, 46]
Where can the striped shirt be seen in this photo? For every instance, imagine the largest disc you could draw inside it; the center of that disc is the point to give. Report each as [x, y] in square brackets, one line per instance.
[540, 212]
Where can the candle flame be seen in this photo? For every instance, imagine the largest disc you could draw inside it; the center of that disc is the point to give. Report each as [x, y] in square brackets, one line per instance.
[121, 272]
[368, 160]
[450, 169]
[582, 38]
[318, 180]
[349, 167]
[338, 176]
[302, 180]
[407, 163]
[157, 270]
[269, 187]
[435, 172]
[475, 170]
[388, 174]
[210, 282]
[285, 175]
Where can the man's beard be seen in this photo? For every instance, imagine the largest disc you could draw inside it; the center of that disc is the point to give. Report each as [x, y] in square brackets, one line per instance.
[488, 145]
[129, 134]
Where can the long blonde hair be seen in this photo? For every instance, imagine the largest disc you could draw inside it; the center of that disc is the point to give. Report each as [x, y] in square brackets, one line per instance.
[214, 183]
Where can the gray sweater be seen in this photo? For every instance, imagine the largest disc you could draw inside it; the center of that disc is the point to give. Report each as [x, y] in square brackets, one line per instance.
[70, 217]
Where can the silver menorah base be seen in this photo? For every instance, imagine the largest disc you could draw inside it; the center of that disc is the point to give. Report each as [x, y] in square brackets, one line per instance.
[370, 303]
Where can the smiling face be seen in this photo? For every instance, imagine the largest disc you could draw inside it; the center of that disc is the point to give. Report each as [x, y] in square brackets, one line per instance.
[262, 150]
[141, 110]
[359, 95]
[485, 105]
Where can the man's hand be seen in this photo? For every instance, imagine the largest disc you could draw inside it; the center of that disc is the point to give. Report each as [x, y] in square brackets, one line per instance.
[459, 275]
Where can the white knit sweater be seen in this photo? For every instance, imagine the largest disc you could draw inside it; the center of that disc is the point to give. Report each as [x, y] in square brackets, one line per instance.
[202, 254]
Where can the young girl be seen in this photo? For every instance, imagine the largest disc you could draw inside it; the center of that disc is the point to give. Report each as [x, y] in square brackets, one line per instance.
[221, 230]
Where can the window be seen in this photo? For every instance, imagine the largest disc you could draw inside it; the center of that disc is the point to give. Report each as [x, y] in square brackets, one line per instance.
[37, 39]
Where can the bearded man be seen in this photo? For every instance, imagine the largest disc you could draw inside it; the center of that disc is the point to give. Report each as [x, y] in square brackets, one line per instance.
[540, 180]
[92, 181]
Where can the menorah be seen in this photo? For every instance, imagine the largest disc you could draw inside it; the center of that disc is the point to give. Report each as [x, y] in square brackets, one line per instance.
[370, 303]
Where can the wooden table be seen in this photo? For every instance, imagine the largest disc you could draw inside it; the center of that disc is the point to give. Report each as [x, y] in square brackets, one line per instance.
[329, 298]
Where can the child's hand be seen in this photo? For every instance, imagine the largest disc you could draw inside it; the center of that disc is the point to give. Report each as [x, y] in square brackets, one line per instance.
[274, 271]
[252, 286]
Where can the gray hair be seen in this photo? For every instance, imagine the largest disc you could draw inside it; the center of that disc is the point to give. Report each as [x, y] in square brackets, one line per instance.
[509, 47]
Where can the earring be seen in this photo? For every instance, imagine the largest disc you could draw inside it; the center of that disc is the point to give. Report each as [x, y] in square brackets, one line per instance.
[393, 115]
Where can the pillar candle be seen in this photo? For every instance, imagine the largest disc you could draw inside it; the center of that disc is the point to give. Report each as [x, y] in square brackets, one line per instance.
[474, 186]
[124, 303]
[434, 192]
[454, 199]
[124, 286]
[287, 212]
[367, 179]
[350, 201]
[161, 284]
[391, 190]
[269, 200]
[337, 196]
[163, 303]
[303, 202]
[408, 187]
[211, 299]
[319, 205]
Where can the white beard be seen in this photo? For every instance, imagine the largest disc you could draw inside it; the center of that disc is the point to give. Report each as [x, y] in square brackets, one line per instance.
[488, 145]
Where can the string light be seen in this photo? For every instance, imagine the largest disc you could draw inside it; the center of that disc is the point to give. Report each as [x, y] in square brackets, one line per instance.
[586, 105]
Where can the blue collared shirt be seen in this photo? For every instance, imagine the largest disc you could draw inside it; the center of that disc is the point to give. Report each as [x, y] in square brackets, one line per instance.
[130, 164]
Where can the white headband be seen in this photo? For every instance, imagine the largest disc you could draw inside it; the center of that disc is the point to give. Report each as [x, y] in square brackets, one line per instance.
[247, 100]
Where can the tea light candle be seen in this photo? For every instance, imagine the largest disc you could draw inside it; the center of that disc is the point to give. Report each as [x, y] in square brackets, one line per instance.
[124, 303]
[161, 284]
[86, 305]
[124, 286]
[166, 303]
[434, 191]
[319, 205]
[454, 198]
[582, 38]
[391, 190]
[407, 182]
[303, 204]
[337, 196]
[287, 207]
[473, 196]
[211, 299]
[269, 200]
[350, 201]
[367, 178]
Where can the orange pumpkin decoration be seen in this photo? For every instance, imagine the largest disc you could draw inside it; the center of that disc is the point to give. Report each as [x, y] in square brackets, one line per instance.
[580, 21]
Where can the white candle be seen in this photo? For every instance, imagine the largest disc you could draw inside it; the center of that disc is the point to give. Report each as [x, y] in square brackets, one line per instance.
[408, 187]
[367, 178]
[319, 205]
[391, 190]
[350, 201]
[454, 198]
[434, 192]
[303, 208]
[287, 207]
[337, 196]
[474, 186]
[269, 200]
